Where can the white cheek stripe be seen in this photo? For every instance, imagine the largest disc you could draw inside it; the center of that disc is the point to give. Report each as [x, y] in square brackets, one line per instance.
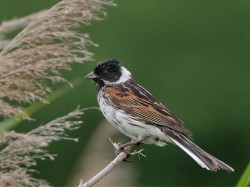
[126, 75]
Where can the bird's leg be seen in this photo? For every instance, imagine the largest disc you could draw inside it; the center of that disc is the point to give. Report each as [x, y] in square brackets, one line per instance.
[135, 142]
[125, 147]
[118, 150]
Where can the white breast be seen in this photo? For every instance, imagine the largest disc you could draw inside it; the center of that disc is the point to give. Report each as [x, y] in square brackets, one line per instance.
[128, 125]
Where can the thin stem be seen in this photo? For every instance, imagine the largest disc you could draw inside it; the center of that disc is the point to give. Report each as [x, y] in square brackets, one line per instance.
[123, 155]
[104, 171]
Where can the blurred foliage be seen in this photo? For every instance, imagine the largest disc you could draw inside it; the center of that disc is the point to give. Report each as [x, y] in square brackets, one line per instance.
[245, 178]
[193, 56]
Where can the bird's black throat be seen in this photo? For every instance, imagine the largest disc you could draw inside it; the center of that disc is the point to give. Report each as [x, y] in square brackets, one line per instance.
[99, 83]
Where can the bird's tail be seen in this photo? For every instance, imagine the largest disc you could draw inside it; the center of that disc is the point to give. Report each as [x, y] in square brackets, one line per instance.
[204, 159]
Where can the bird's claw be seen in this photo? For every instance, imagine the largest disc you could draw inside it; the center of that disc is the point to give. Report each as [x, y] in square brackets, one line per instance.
[124, 150]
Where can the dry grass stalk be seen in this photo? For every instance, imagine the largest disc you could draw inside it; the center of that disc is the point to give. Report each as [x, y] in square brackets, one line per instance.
[90, 161]
[19, 152]
[9, 26]
[29, 62]
[47, 45]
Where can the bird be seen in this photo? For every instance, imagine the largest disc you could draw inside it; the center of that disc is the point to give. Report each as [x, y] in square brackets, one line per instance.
[136, 113]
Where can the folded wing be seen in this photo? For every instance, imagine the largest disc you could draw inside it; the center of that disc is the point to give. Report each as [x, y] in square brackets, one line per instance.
[140, 104]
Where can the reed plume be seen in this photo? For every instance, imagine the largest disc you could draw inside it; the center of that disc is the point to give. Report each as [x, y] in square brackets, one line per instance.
[48, 44]
[13, 25]
[19, 152]
[29, 64]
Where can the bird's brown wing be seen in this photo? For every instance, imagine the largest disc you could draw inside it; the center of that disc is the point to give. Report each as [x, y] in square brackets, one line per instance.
[140, 104]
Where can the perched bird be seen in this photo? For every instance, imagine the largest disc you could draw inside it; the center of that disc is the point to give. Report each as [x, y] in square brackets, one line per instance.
[136, 113]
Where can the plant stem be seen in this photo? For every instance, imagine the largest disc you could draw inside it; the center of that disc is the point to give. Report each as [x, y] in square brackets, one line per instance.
[104, 171]
[245, 178]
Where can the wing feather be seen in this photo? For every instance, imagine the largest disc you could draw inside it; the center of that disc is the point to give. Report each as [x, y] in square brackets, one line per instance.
[140, 104]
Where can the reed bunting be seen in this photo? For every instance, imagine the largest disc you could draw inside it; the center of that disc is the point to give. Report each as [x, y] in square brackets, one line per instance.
[136, 113]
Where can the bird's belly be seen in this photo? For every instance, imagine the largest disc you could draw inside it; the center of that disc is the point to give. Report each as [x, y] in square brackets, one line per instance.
[131, 127]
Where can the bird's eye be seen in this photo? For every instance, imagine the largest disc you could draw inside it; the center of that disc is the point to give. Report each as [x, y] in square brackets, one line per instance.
[105, 72]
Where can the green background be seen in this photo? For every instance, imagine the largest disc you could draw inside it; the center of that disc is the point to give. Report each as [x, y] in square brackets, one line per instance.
[193, 56]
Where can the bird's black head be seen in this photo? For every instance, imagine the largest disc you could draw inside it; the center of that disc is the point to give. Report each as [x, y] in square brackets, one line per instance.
[109, 72]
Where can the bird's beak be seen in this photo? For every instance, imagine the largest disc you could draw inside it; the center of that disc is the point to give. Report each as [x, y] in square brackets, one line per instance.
[91, 75]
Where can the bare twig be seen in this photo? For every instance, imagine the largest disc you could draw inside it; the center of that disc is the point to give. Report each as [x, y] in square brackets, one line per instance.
[105, 171]
[120, 157]
[90, 162]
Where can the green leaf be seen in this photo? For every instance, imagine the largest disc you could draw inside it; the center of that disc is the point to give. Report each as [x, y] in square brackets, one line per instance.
[245, 178]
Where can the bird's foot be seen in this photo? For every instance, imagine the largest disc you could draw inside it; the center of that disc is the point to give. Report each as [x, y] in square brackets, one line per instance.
[130, 144]
[126, 148]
